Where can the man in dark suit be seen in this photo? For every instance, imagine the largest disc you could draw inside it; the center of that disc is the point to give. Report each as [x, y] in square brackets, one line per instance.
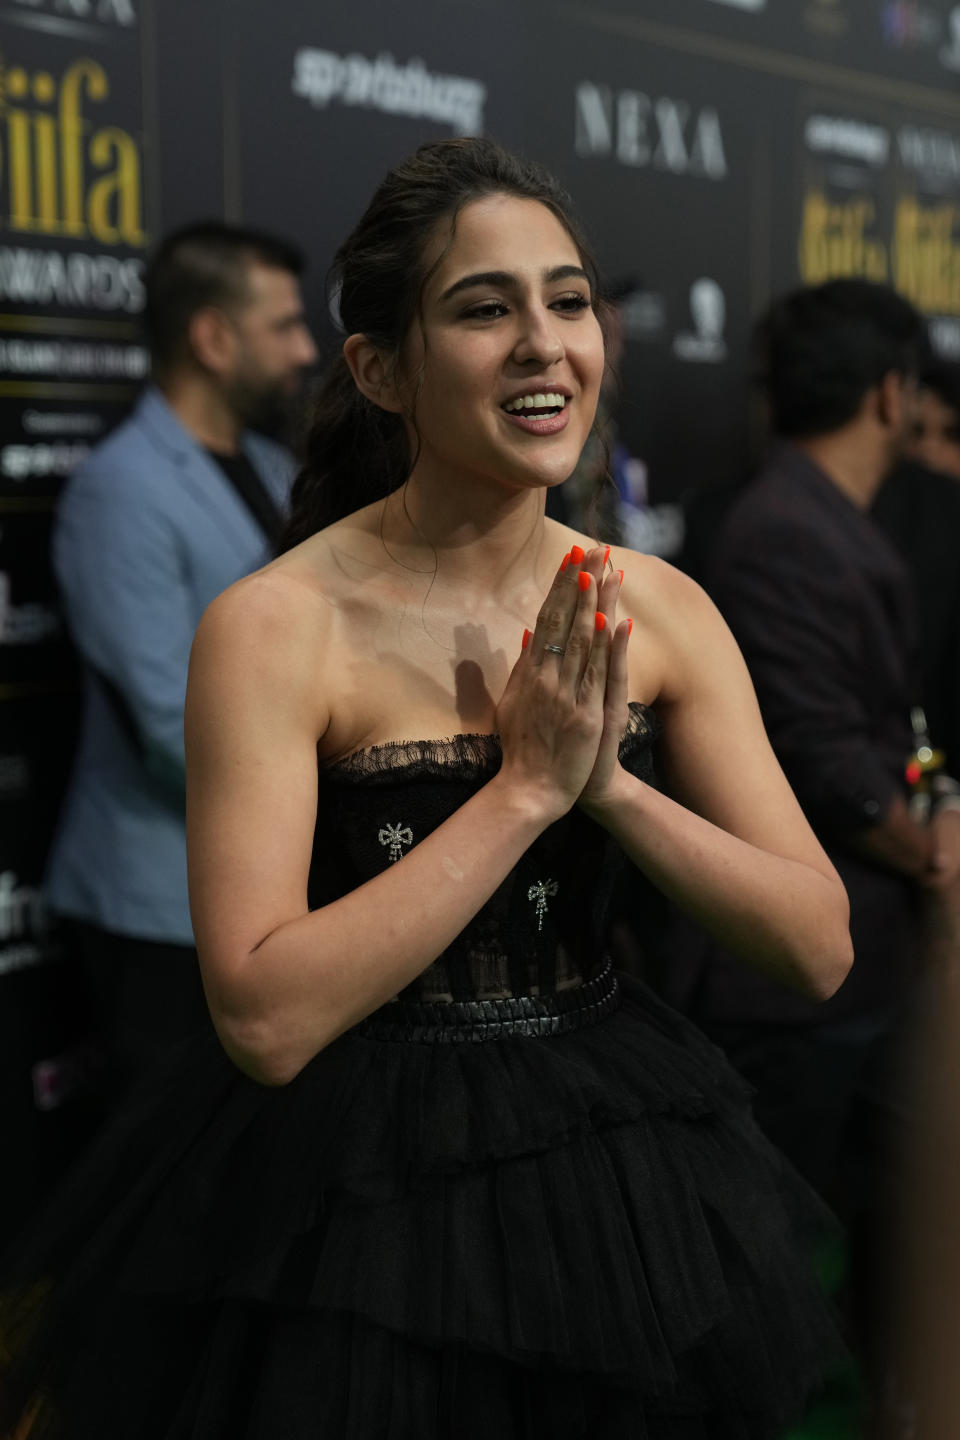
[920, 511]
[820, 603]
[175, 505]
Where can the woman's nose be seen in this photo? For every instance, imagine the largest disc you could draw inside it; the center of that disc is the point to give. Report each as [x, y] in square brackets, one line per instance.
[539, 339]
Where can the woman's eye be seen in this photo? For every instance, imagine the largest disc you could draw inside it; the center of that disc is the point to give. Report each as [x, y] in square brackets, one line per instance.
[572, 302]
[489, 310]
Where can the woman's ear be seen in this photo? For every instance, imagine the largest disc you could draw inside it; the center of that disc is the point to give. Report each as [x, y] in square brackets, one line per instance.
[373, 372]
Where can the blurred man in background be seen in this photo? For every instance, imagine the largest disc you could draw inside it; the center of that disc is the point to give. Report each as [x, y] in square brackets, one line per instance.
[178, 503]
[821, 605]
[935, 435]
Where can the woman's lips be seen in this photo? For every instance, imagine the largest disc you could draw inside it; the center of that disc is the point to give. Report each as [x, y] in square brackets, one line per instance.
[539, 425]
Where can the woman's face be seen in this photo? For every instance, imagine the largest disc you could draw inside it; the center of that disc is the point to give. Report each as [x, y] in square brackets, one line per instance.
[510, 349]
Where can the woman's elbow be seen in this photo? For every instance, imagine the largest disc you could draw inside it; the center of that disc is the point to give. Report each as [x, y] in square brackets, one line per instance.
[264, 1051]
[835, 964]
[834, 950]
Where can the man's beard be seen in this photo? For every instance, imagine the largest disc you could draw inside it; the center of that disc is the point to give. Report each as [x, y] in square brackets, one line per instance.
[260, 404]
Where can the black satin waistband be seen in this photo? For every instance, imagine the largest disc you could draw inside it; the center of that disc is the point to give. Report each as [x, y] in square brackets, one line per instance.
[430, 1022]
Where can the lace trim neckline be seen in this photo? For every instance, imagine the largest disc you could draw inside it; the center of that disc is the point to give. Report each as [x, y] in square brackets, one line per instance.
[478, 749]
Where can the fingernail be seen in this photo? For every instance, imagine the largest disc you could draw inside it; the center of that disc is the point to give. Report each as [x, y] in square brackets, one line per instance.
[600, 620]
[526, 640]
[565, 561]
[606, 555]
[576, 554]
[583, 579]
[629, 627]
[620, 573]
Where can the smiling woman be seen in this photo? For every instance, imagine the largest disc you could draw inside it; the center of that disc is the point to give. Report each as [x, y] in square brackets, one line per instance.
[450, 1175]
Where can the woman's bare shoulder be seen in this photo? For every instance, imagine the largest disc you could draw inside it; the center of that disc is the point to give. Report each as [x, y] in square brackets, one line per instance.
[664, 593]
[280, 619]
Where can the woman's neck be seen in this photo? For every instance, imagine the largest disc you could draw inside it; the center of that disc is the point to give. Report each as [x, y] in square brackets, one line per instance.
[473, 535]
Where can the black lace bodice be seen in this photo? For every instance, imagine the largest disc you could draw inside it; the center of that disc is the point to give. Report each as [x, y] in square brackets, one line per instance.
[543, 927]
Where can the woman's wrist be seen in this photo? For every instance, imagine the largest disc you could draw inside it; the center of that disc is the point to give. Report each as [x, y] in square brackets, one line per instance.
[605, 804]
[532, 802]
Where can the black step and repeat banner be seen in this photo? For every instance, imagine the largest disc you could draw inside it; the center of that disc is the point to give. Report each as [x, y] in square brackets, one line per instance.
[718, 151]
[72, 239]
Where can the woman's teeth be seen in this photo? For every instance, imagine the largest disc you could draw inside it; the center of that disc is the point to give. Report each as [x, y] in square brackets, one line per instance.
[535, 402]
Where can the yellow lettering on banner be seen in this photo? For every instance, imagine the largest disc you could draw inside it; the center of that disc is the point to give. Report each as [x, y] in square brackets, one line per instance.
[926, 256]
[123, 182]
[72, 129]
[48, 155]
[45, 151]
[835, 243]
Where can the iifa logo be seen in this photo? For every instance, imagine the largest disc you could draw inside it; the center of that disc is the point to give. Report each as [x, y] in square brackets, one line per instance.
[59, 182]
[23, 913]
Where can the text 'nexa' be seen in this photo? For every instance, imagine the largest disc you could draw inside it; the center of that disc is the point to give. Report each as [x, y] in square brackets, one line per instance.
[641, 130]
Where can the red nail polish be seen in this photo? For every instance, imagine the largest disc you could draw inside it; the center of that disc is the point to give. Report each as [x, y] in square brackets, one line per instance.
[565, 561]
[620, 573]
[606, 555]
[583, 579]
[600, 620]
[526, 640]
[576, 554]
[629, 627]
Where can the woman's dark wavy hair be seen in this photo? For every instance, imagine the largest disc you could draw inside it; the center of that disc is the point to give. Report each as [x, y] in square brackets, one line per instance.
[357, 453]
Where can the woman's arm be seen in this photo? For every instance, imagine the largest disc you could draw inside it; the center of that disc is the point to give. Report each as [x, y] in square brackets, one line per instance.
[731, 847]
[281, 981]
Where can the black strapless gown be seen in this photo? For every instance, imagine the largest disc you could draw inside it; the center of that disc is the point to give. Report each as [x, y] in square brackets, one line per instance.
[525, 1200]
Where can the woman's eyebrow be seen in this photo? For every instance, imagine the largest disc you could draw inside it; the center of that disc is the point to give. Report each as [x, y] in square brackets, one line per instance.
[503, 279]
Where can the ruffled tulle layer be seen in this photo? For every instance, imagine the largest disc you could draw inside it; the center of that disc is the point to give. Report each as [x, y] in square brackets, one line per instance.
[569, 1236]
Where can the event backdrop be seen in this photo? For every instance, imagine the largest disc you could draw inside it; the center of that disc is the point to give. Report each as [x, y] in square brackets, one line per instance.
[719, 151]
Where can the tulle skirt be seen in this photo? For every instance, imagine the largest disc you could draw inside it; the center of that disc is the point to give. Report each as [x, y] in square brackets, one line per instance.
[570, 1235]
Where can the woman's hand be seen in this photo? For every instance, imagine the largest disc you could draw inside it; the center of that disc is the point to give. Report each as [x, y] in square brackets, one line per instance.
[601, 786]
[552, 716]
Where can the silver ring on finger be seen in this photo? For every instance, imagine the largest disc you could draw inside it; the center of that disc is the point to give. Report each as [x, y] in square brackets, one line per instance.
[555, 649]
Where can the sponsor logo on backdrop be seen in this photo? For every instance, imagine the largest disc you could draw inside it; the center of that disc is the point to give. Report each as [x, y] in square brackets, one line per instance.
[922, 260]
[24, 924]
[57, 1079]
[925, 254]
[847, 138]
[827, 18]
[73, 359]
[321, 77]
[106, 12]
[32, 623]
[908, 24]
[934, 154]
[64, 177]
[643, 130]
[950, 52]
[704, 344]
[838, 239]
[74, 281]
[57, 422]
[643, 315]
[32, 462]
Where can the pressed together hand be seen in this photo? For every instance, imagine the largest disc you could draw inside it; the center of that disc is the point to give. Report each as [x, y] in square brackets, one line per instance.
[564, 708]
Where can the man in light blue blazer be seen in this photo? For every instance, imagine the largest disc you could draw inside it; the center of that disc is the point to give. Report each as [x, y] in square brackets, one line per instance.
[174, 506]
